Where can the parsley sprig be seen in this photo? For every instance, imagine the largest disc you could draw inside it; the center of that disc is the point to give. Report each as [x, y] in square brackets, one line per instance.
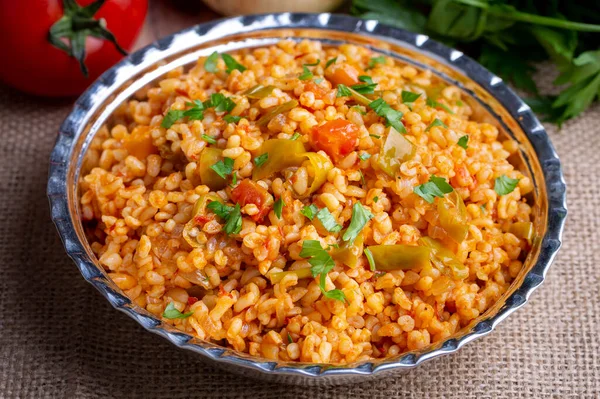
[232, 216]
[171, 312]
[210, 65]
[321, 263]
[392, 117]
[435, 187]
[505, 185]
[218, 101]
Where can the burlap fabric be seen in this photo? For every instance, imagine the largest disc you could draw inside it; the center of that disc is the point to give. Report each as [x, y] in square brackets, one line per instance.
[60, 339]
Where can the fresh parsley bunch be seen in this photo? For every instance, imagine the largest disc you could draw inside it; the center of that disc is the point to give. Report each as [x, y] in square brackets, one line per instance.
[509, 37]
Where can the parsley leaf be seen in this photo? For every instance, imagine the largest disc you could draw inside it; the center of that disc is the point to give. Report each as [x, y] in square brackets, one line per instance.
[171, 312]
[171, 117]
[234, 221]
[505, 185]
[220, 103]
[210, 65]
[234, 180]
[369, 256]
[328, 221]
[208, 139]
[463, 141]
[409, 96]
[232, 118]
[374, 61]
[391, 116]
[223, 168]
[436, 122]
[259, 160]
[343, 91]
[375, 199]
[290, 340]
[360, 217]
[278, 207]
[375, 136]
[310, 211]
[358, 109]
[435, 104]
[231, 64]
[362, 177]
[219, 209]
[321, 264]
[306, 73]
[368, 87]
[196, 112]
[435, 187]
[330, 61]
[364, 156]
[295, 136]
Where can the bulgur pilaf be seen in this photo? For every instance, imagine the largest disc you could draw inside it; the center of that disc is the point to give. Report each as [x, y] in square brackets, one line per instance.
[303, 203]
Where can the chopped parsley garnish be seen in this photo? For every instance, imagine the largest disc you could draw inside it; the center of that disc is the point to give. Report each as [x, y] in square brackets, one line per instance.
[232, 118]
[231, 64]
[210, 65]
[221, 210]
[230, 214]
[463, 141]
[196, 112]
[483, 209]
[375, 199]
[171, 117]
[171, 312]
[459, 103]
[375, 136]
[368, 87]
[435, 104]
[436, 122]
[505, 185]
[321, 264]
[234, 221]
[409, 96]
[290, 340]
[343, 91]
[234, 180]
[318, 80]
[391, 116]
[310, 211]
[364, 156]
[369, 256]
[220, 103]
[376, 60]
[306, 73]
[362, 177]
[328, 221]
[330, 61]
[223, 168]
[278, 207]
[435, 187]
[360, 217]
[295, 136]
[261, 159]
[208, 139]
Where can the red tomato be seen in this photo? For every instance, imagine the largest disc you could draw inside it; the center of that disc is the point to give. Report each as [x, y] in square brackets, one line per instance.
[34, 65]
[337, 138]
[249, 192]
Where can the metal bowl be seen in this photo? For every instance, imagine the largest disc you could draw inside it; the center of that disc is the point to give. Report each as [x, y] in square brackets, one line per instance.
[491, 98]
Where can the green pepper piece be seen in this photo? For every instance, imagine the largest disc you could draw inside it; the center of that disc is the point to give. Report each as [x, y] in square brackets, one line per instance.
[209, 177]
[400, 257]
[444, 259]
[282, 154]
[280, 109]
[349, 254]
[453, 216]
[395, 150]
[522, 230]
[319, 167]
[259, 92]
[300, 273]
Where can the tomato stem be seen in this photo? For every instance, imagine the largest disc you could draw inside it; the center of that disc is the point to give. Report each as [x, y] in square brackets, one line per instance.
[70, 32]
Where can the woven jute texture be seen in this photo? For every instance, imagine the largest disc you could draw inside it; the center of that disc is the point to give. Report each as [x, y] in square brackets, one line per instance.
[60, 339]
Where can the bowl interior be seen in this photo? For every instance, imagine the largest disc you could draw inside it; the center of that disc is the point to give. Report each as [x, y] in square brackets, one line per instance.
[496, 106]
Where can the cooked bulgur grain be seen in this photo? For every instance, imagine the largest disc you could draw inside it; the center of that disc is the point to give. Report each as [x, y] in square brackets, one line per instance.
[266, 253]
